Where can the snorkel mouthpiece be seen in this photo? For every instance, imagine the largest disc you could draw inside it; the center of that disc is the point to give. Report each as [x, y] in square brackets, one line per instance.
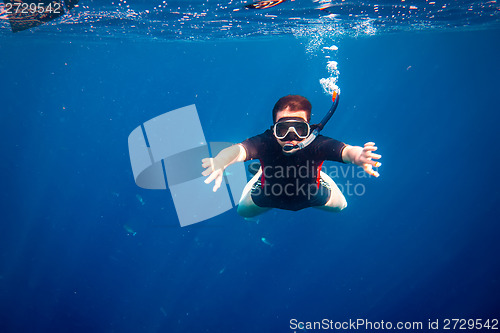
[287, 148]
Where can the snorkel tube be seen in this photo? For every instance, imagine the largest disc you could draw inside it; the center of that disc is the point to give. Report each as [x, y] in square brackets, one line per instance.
[289, 149]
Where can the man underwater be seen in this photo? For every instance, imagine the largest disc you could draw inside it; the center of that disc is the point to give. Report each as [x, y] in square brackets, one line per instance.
[286, 179]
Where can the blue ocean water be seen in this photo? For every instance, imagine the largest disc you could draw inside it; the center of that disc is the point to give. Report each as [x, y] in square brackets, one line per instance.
[83, 249]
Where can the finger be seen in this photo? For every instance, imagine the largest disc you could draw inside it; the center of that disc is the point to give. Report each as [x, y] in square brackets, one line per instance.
[369, 161]
[206, 162]
[211, 178]
[368, 169]
[375, 156]
[218, 181]
[370, 148]
[370, 144]
[206, 172]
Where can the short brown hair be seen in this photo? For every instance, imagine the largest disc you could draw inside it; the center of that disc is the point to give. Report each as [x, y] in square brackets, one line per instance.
[293, 103]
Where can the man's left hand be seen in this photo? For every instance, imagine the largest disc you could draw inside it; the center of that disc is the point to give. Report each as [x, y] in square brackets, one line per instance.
[364, 157]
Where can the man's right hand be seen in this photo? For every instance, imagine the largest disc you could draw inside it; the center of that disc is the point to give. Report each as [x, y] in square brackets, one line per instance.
[215, 166]
[213, 171]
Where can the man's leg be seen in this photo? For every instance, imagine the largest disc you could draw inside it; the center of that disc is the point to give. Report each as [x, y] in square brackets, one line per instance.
[246, 207]
[337, 200]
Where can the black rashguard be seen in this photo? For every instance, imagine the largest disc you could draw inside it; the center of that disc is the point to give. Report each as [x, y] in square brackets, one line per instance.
[291, 182]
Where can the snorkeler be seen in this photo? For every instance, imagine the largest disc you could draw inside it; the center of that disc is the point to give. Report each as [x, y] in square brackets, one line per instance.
[291, 154]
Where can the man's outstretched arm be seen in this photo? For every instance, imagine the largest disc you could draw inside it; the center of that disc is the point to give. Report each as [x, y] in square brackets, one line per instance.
[215, 166]
[363, 156]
